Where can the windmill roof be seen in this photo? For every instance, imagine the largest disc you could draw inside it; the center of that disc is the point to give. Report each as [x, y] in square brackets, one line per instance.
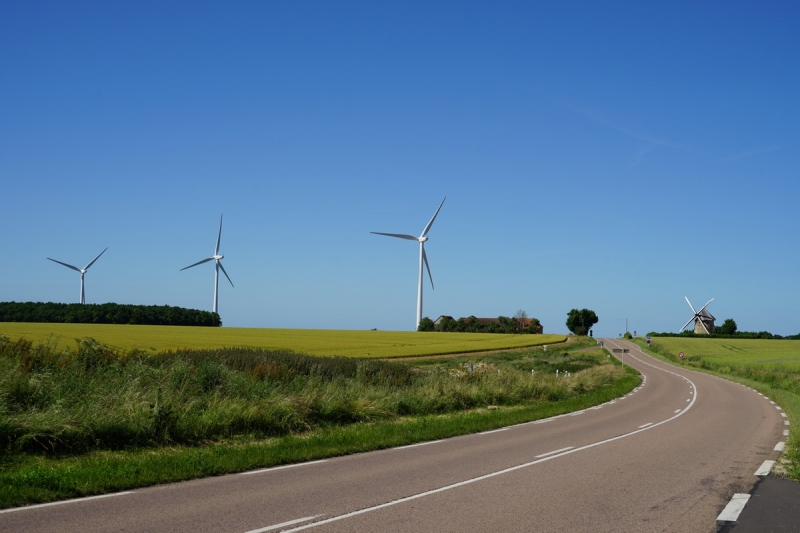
[706, 314]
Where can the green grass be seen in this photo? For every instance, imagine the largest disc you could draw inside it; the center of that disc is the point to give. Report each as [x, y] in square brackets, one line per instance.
[360, 344]
[772, 367]
[782, 355]
[92, 419]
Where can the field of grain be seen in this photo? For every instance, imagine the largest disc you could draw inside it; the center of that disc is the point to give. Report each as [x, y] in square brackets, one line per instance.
[782, 355]
[349, 343]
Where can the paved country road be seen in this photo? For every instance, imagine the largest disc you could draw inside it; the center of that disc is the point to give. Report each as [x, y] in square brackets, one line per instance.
[667, 457]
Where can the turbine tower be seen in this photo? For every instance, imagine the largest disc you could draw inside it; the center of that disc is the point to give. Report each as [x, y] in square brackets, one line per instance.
[217, 258]
[422, 257]
[81, 270]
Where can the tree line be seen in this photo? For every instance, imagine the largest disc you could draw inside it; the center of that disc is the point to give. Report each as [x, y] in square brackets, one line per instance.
[503, 324]
[108, 313]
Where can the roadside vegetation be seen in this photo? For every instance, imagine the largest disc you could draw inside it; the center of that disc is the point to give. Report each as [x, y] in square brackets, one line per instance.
[770, 366]
[91, 418]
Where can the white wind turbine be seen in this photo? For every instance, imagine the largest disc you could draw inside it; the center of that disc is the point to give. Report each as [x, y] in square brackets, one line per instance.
[81, 270]
[217, 258]
[422, 257]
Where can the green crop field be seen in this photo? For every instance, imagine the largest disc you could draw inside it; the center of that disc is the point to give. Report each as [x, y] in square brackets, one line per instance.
[313, 342]
[780, 355]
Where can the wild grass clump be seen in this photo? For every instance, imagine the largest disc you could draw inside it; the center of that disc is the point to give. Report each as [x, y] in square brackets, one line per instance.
[91, 397]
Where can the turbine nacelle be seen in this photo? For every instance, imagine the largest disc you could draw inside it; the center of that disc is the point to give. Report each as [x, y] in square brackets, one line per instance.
[422, 239]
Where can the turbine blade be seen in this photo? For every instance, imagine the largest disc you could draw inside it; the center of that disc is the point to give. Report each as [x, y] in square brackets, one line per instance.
[199, 263]
[425, 260]
[684, 326]
[226, 274]
[76, 269]
[407, 237]
[690, 305]
[219, 236]
[428, 227]
[95, 259]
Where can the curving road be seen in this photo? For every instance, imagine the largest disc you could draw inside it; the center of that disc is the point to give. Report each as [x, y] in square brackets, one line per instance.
[667, 457]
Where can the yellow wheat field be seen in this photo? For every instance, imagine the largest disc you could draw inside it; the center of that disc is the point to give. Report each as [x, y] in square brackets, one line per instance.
[349, 343]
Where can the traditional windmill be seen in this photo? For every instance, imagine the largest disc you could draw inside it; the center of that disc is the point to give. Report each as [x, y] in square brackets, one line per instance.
[703, 320]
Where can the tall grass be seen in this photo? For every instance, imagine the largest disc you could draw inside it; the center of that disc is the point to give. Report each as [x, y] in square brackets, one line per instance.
[57, 402]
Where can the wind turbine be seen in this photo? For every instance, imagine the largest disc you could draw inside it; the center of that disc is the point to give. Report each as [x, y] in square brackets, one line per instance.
[217, 258]
[698, 315]
[81, 270]
[422, 257]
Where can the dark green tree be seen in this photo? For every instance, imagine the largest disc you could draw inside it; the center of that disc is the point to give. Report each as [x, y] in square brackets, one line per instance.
[727, 328]
[447, 324]
[426, 324]
[580, 321]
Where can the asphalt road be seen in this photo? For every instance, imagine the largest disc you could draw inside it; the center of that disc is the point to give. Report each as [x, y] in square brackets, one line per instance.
[667, 457]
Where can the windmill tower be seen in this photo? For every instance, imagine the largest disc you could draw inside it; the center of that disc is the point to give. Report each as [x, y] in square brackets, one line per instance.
[703, 320]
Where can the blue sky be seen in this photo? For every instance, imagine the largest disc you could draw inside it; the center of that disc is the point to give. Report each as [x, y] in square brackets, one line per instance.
[615, 156]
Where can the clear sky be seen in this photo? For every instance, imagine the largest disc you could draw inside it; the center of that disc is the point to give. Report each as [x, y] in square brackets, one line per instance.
[616, 156]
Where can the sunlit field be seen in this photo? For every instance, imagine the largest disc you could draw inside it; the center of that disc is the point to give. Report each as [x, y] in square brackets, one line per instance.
[769, 354]
[361, 344]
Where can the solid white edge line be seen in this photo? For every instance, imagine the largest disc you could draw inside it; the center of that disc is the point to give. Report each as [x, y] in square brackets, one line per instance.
[419, 444]
[734, 508]
[283, 524]
[764, 469]
[493, 431]
[554, 452]
[645, 425]
[264, 470]
[498, 472]
[780, 446]
[63, 502]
